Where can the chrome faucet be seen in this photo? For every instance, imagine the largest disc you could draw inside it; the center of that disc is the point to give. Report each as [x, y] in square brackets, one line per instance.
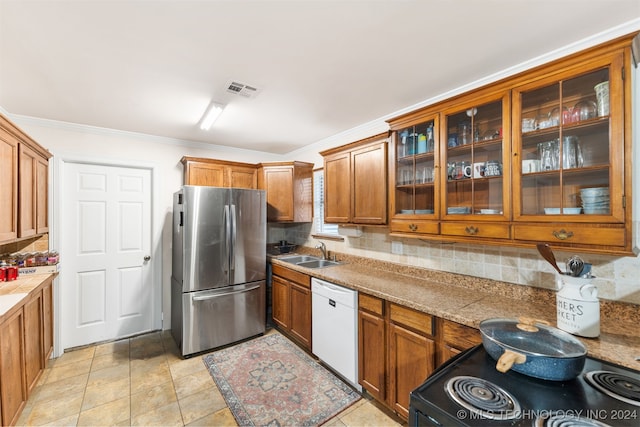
[323, 249]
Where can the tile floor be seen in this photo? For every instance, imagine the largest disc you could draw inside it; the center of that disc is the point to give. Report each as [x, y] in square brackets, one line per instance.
[144, 381]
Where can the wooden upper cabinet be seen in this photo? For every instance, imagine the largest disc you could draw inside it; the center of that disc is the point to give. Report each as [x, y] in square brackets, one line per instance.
[239, 176]
[543, 156]
[571, 179]
[219, 173]
[337, 194]
[203, 172]
[355, 182]
[27, 186]
[24, 172]
[9, 187]
[42, 195]
[289, 190]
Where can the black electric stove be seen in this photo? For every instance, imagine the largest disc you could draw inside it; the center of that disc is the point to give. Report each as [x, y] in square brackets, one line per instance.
[469, 391]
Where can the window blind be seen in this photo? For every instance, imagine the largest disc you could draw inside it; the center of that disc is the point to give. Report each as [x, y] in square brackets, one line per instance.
[318, 205]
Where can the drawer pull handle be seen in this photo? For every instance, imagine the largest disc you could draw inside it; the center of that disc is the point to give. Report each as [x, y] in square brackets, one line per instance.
[413, 227]
[563, 234]
[471, 230]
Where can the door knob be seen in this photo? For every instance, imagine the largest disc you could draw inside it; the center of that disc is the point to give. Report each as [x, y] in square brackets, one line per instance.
[147, 258]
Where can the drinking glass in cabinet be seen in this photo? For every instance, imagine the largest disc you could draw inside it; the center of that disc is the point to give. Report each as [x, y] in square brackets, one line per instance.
[405, 176]
[549, 155]
[424, 175]
[571, 153]
[464, 133]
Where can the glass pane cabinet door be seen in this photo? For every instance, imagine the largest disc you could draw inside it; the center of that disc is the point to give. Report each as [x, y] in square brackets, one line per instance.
[474, 161]
[564, 131]
[415, 169]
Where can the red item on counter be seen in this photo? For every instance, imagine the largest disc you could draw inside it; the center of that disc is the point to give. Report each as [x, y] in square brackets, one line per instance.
[12, 273]
[3, 274]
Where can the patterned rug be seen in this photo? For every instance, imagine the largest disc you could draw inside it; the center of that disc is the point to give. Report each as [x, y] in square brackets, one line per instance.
[269, 381]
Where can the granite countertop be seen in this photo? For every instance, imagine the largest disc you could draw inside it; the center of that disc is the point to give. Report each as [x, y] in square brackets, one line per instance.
[469, 300]
[12, 293]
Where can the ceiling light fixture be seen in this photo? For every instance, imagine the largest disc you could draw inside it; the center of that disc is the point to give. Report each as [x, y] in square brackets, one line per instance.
[211, 114]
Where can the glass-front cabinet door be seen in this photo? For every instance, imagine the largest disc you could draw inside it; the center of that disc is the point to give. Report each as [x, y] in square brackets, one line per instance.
[415, 169]
[475, 159]
[563, 132]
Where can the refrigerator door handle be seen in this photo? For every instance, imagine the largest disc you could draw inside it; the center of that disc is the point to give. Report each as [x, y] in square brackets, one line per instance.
[234, 230]
[215, 295]
[227, 234]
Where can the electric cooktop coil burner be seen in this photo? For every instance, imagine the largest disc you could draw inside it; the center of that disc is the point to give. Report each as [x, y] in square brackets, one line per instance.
[618, 386]
[564, 420]
[483, 398]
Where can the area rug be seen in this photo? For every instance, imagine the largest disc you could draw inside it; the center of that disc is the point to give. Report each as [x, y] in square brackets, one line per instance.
[269, 381]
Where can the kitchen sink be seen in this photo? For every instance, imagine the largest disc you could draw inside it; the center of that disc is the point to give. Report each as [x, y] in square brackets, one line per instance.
[318, 263]
[299, 258]
[308, 261]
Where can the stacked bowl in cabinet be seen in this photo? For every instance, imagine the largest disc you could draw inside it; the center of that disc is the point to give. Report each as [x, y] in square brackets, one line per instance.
[595, 201]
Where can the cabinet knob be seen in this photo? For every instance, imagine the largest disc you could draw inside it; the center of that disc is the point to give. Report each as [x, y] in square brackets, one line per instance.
[562, 234]
[413, 227]
[471, 230]
[147, 258]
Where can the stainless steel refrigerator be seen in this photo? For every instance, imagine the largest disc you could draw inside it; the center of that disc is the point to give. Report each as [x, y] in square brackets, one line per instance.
[218, 283]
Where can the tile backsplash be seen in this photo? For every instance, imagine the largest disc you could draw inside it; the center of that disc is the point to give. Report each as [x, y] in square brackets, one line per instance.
[616, 277]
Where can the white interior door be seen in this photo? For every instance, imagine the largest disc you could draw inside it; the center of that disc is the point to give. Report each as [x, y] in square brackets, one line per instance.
[106, 240]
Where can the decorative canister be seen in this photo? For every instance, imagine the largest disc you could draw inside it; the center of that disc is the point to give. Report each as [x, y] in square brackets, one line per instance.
[578, 307]
[602, 96]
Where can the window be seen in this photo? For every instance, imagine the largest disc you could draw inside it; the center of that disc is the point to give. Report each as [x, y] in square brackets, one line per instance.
[318, 206]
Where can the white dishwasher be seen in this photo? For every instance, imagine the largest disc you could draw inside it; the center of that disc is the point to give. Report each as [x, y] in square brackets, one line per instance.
[334, 328]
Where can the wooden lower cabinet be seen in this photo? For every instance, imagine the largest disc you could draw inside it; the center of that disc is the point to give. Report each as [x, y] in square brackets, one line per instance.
[280, 291]
[33, 344]
[13, 388]
[300, 297]
[47, 320]
[396, 351]
[26, 342]
[291, 304]
[455, 339]
[372, 371]
[411, 361]
[399, 347]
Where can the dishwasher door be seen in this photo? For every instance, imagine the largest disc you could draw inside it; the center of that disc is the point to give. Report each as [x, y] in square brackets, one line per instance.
[221, 316]
[334, 328]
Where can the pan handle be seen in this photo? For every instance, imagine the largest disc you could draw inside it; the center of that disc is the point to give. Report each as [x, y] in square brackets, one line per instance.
[528, 324]
[508, 359]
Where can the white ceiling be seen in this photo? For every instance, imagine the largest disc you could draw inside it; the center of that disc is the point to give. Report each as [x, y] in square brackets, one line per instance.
[322, 67]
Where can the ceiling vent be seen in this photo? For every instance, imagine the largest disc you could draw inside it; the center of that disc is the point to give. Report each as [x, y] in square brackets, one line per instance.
[242, 89]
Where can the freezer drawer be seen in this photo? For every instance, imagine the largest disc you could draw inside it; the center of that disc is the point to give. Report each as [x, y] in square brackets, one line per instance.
[221, 316]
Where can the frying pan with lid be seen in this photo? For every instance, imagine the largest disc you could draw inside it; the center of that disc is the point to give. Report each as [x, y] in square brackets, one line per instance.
[532, 348]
